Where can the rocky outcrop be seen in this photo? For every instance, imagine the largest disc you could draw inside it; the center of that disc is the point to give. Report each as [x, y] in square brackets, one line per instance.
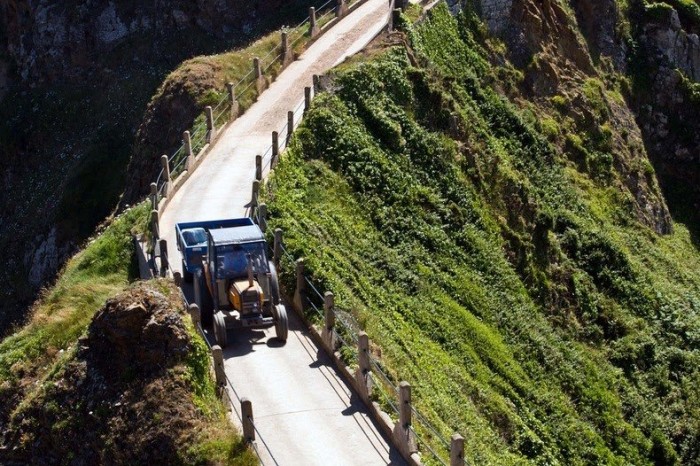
[545, 26]
[495, 14]
[666, 109]
[671, 46]
[50, 40]
[124, 398]
[598, 21]
[76, 78]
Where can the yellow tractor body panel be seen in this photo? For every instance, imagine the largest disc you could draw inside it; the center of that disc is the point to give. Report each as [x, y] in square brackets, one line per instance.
[245, 298]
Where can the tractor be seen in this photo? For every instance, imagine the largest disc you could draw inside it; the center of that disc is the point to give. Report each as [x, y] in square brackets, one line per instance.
[235, 284]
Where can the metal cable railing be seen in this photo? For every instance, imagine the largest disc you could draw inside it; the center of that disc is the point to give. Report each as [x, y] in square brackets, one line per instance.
[347, 325]
[345, 331]
[200, 133]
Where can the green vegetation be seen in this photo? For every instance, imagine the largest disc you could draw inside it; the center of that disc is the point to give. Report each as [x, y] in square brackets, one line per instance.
[520, 295]
[102, 269]
[218, 443]
[37, 360]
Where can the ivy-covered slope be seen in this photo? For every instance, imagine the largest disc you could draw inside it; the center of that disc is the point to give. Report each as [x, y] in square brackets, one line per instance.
[515, 288]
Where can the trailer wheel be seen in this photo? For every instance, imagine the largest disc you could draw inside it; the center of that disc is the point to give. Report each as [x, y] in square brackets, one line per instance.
[281, 322]
[206, 304]
[187, 275]
[220, 330]
[274, 284]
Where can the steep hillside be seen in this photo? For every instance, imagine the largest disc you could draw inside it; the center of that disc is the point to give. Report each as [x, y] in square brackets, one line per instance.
[122, 382]
[75, 80]
[488, 210]
[135, 390]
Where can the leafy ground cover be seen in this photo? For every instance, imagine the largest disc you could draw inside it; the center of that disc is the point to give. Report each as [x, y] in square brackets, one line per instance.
[513, 287]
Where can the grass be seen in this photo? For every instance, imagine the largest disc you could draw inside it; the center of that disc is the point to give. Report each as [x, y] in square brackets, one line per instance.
[33, 357]
[62, 314]
[218, 443]
[519, 295]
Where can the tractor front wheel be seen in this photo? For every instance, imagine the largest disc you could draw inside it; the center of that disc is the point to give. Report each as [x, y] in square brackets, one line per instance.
[220, 330]
[281, 322]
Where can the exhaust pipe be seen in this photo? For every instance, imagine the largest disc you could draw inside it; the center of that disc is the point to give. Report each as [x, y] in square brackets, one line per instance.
[251, 279]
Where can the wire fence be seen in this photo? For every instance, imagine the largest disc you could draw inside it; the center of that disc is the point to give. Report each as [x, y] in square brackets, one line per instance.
[346, 330]
[347, 327]
[201, 134]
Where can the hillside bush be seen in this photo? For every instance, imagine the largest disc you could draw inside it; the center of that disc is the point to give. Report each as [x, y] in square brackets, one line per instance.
[497, 279]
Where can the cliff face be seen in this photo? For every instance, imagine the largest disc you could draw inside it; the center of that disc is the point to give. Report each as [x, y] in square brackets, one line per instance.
[50, 41]
[75, 79]
[571, 59]
[668, 105]
[651, 53]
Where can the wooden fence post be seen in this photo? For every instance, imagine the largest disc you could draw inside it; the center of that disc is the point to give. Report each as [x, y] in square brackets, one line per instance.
[165, 163]
[154, 196]
[362, 375]
[262, 217]
[277, 247]
[307, 98]
[211, 127]
[254, 198]
[196, 315]
[287, 55]
[405, 404]
[258, 167]
[219, 370]
[290, 125]
[187, 140]
[163, 257]
[275, 149]
[260, 83]
[301, 286]
[248, 421]
[313, 26]
[457, 450]
[403, 434]
[233, 100]
[341, 9]
[328, 333]
[154, 224]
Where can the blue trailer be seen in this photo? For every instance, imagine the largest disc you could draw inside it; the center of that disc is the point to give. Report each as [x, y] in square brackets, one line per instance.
[192, 241]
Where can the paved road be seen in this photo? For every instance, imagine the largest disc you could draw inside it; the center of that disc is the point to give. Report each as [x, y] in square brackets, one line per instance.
[304, 412]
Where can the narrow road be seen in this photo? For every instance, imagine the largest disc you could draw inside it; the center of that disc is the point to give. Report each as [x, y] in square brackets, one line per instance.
[303, 411]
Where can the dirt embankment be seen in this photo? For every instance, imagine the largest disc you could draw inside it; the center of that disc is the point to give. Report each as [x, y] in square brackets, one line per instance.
[130, 395]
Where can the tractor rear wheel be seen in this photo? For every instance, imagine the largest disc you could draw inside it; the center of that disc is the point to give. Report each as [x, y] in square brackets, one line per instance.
[274, 284]
[220, 330]
[206, 304]
[281, 322]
